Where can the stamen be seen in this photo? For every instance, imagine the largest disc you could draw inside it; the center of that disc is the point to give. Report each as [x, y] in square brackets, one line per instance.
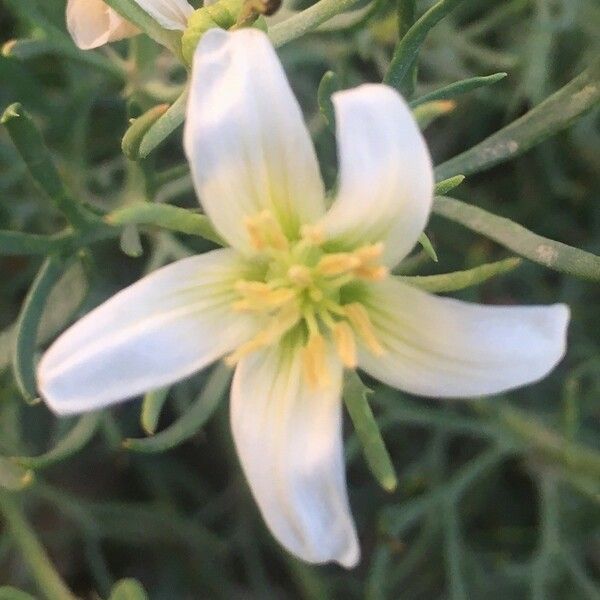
[300, 275]
[313, 234]
[345, 344]
[338, 264]
[359, 318]
[265, 232]
[280, 324]
[314, 361]
[376, 273]
[370, 252]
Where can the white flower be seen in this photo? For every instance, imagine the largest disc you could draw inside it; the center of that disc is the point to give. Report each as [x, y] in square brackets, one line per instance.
[302, 293]
[93, 23]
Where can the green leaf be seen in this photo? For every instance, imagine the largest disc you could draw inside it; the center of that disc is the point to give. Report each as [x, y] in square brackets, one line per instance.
[11, 593]
[327, 87]
[378, 459]
[458, 88]
[427, 113]
[139, 128]
[459, 280]
[443, 187]
[407, 13]
[164, 126]
[544, 251]
[130, 242]
[28, 324]
[189, 423]
[308, 20]
[151, 408]
[550, 116]
[407, 49]
[17, 243]
[14, 477]
[31, 147]
[78, 437]
[128, 589]
[130, 10]
[25, 49]
[167, 217]
[428, 247]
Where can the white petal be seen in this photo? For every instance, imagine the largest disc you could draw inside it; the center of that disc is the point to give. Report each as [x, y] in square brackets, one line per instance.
[157, 331]
[443, 347]
[386, 175]
[245, 138]
[171, 14]
[93, 23]
[289, 440]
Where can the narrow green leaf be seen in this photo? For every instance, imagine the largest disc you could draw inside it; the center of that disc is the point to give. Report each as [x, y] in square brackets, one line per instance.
[11, 593]
[164, 126]
[427, 113]
[189, 423]
[135, 134]
[428, 247]
[17, 243]
[377, 457]
[32, 552]
[327, 87]
[77, 438]
[167, 217]
[25, 49]
[130, 242]
[555, 113]
[13, 477]
[132, 11]
[407, 13]
[308, 20]
[544, 251]
[151, 408]
[459, 280]
[458, 88]
[407, 50]
[128, 589]
[33, 150]
[443, 187]
[28, 324]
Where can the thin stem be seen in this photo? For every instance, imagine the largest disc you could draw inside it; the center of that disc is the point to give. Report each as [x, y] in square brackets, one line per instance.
[33, 553]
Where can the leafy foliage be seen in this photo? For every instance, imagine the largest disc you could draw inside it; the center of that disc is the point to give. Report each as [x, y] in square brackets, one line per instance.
[495, 499]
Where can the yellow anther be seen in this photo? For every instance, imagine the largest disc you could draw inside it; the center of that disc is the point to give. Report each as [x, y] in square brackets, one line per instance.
[313, 234]
[300, 275]
[359, 318]
[376, 273]
[370, 252]
[265, 232]
[251, 288]
[345, 344]
[338, 264]
[280, 324]
[314, 362]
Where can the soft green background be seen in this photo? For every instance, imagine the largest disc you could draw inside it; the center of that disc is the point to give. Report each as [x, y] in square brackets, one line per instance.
[491, 503]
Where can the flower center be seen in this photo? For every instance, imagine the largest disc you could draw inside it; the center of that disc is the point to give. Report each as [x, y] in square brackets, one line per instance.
[305, 288]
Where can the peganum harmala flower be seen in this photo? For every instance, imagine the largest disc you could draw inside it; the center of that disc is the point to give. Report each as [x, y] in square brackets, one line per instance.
[302, 293]
[93, 23]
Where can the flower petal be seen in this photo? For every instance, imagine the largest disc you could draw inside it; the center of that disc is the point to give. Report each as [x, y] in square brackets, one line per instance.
[159, 330]
[93, 23]
[171, 14]
[248, 146]
[289, 440]
[386, 175]
[443, 347]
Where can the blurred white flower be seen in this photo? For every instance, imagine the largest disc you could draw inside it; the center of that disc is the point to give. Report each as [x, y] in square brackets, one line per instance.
[302, 293]
[93, 23]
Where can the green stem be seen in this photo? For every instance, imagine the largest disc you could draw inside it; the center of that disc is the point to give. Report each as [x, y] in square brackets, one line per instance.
[32, 551]
[308, 20]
